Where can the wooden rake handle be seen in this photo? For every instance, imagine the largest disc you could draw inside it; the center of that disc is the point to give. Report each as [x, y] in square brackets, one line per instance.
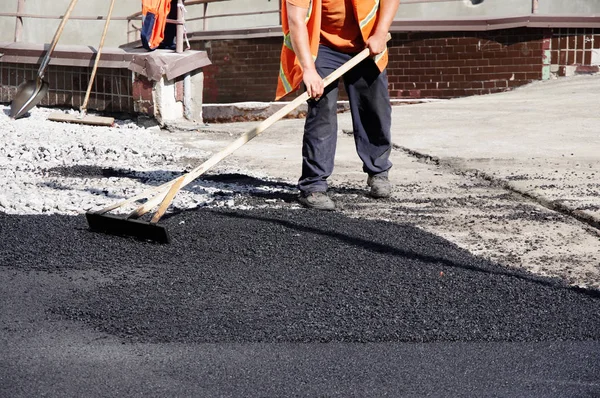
[165, 194]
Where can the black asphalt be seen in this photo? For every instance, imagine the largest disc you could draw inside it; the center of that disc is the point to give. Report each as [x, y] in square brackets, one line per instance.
[281, 303]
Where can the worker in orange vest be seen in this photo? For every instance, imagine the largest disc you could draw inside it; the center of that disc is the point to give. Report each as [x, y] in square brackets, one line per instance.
[320, 36]
[155, 32]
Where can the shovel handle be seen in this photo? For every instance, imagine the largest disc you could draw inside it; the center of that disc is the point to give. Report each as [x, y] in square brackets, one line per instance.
[57, 35]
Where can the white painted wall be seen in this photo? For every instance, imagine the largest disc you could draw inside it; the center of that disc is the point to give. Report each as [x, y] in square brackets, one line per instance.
[76, 32]
[88, 32]
[569, 7]
[464, 8]
[240, 6]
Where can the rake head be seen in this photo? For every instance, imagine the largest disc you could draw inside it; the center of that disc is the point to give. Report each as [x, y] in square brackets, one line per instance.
[120, 226]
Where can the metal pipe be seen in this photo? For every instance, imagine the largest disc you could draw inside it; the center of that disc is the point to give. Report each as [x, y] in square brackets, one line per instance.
[187, 96]
[39, 16]
[19, 21]
[535, 5]
[180, 27]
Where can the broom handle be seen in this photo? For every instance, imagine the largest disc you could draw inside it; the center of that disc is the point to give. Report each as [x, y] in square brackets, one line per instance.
[243, 139]
[97, 61]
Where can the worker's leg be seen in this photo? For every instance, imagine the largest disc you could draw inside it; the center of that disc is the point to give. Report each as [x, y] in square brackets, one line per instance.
[320, 129]
[367, 89]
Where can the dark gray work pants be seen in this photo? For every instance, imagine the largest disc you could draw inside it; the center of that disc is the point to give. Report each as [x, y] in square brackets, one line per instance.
[371, 110]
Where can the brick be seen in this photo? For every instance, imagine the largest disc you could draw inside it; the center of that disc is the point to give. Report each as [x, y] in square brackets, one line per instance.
[502, 69]
[481, 62]
[580, 40]
[572, 42]
[585, 69]
[562, 58]
[563, 43]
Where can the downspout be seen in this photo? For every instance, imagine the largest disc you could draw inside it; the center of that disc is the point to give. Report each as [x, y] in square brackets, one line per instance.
[187, 81]
[187, 97]
[180, 27]
[19, 22]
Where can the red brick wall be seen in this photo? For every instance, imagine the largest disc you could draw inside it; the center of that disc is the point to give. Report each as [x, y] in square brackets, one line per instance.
[241, 70]
[141, 93]
[457, 64]
[422, 64]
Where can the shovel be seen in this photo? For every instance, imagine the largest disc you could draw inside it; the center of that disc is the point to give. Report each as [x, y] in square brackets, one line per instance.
[30, 93]
[162, 196]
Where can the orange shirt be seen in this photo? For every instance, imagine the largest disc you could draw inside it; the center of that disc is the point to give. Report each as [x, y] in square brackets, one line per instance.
[339, 27]
[342, 35]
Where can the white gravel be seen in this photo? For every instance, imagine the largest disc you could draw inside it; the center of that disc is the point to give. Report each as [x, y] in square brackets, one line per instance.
[50, 167]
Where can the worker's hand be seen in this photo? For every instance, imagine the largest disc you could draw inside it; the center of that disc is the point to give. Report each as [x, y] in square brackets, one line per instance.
[377, 43]
[314, 83]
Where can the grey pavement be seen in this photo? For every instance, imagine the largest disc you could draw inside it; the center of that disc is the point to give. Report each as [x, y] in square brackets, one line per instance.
[513, 177]
[541, 140]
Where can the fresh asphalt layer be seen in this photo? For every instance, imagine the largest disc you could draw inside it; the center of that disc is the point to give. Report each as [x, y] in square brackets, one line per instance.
[282, 301]
[278, 303]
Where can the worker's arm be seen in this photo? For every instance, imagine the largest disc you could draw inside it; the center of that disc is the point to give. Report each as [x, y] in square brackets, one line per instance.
[299, 36]
[387, 10]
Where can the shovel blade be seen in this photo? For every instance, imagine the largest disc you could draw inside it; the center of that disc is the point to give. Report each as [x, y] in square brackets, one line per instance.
[29, 94]
[113, 225]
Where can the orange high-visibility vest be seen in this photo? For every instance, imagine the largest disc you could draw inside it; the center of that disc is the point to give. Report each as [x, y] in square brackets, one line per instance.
[290, 71]
[154, 19]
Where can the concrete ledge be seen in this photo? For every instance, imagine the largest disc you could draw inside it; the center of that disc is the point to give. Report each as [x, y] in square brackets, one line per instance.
[251, 111]
[83, 56]
[152, 64]
[156, 64]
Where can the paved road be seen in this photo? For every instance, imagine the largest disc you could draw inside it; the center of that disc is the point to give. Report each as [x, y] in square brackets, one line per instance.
[450, 296]
[281, 303]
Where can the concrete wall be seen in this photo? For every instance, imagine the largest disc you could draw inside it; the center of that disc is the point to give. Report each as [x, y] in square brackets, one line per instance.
[88, 32]
[83, 32]
[570, 7]
[239, 6]
[464, 8]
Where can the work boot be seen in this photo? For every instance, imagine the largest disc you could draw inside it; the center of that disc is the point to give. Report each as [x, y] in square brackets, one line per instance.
[316, 200]
[380, 186]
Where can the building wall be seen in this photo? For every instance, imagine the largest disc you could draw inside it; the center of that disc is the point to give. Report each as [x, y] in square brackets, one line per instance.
[88, 32]
[269, 16]
[570, 7]
[422, 64]
[464, 8]
[77, 32]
